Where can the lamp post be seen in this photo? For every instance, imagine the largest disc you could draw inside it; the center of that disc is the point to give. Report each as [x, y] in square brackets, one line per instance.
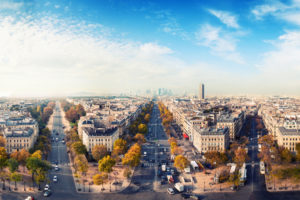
[24, 186]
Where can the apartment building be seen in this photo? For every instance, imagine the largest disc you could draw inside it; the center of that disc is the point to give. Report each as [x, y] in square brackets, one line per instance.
[211, 139]
[99, 136]
[19, 133]
[233, 123]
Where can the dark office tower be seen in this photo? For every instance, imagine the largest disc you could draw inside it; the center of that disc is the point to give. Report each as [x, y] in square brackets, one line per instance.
[201, 91]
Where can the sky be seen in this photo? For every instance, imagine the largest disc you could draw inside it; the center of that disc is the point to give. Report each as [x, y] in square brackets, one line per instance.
[69, 47]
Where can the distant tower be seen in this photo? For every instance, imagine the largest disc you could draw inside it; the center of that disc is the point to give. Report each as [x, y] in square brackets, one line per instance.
[201, 91]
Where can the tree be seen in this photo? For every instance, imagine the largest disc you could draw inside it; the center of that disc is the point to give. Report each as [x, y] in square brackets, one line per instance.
[181, 162]
[99, 151]
[37, 166]
[127, 172]
[235, 178]
[147, 117]
[100, 178]
[240, 156]
[267, 140]
[3, 158]
[140, 138]
[37, 154]
[172, 140]
[176, 150]
[244, 141]
[106, 164]
[2, 141]
[21, 156]
[79, 148]
[16, 177]
[298, 151]
[132, 157]
[142, 128]
[286, 156]
[80, 110]
[215, 158]
[120, 146]
[12, 165]
[81, 163]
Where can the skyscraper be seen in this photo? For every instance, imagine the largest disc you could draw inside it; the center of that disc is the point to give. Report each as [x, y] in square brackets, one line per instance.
[201, 91]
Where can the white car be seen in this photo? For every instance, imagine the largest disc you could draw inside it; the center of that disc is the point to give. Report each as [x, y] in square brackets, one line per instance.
[171, 191]
[56, 168]
[54, 179]
[29, 198]
[47, 187]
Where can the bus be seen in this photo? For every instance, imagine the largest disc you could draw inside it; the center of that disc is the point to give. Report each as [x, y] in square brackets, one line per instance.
[262, 167]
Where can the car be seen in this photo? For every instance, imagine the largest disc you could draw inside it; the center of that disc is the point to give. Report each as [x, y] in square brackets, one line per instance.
[170, 191]
[54, 179]
[56, 139]
[30, 198]
[185, 196]
[63, 141]
[56, 168]
[47, 187]
[47, 193]
[194, 197]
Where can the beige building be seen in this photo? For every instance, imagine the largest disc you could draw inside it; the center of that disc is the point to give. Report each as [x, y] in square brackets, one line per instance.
[288, 137]
[234, 124]
[99, 136]
[211, 139]
[20, 133]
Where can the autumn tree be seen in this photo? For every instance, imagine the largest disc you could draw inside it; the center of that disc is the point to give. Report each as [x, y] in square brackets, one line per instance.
[140, 138]
[147, 117]
[142, 128]
[106, 164]
[215, 158]
[120, 146]
[21, 156]
[298, 151]
[286, 156]
[172, 140]
[176, 150]
[132, 157]
[240, 156]
[81, 163]
[100, 178]
[37, 154]
[127, 172]
[181, 162]
[2, 141]
[99, 151]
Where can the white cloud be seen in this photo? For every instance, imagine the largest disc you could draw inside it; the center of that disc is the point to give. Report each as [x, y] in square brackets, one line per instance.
[220, 42]
[225, 17]
[280, 68]
[288, 12]
[10, 5]
[50, 56]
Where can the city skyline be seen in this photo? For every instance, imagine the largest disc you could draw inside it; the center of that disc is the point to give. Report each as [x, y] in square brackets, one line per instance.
[61, 48]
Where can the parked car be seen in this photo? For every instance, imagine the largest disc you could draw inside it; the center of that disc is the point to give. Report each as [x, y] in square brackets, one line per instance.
[55, 179]
[171, 191]
[56, 168]
[30, 198]
[47, 193]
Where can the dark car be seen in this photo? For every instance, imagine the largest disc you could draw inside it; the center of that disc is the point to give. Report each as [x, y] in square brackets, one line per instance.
[185, 196]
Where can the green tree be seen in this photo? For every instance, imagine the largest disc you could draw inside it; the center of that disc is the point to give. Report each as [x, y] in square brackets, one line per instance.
[12, 165]
[16, 177]
[181, 162]
[99, 151]
[79, 148]
[106, 164]
[3, 158]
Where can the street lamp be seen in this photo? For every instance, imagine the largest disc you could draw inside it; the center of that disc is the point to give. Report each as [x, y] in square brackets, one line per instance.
[24, 186]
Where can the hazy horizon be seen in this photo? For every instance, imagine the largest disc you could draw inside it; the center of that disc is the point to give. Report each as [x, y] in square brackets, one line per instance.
[60, 48]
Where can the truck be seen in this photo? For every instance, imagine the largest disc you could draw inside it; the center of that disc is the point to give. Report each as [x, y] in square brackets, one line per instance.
[170, 179]
[163, 167]
[179, 187]
[194, 165]
[243, 174]
[232, 169]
